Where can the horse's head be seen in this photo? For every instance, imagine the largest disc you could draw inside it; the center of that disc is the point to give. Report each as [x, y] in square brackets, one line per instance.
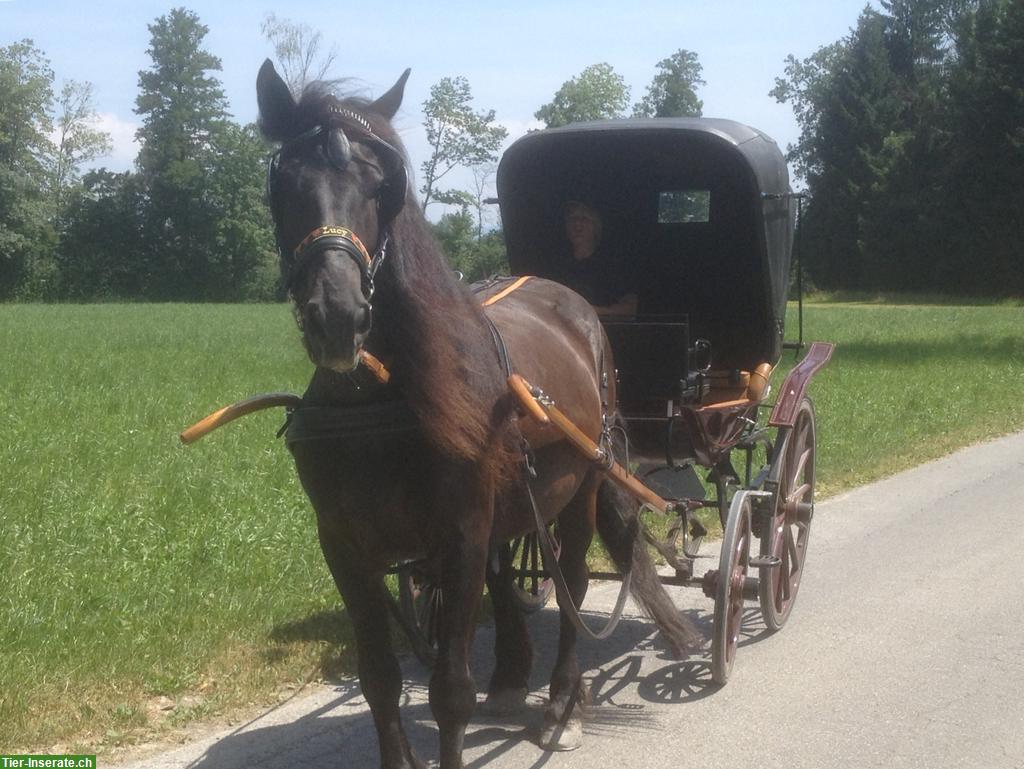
[335, 186]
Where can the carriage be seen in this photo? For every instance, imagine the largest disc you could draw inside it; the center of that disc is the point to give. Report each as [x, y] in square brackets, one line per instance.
[698, 218]
[460, 437]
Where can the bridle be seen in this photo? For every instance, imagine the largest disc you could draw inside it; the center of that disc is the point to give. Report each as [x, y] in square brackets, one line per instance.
[331, 237]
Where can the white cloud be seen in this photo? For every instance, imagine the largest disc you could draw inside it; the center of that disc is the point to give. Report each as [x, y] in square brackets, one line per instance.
[518, 128]
[122, 137]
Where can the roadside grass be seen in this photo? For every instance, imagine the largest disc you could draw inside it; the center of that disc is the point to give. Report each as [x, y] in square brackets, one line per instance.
[135, 571]
[911, 383]
[144, 584]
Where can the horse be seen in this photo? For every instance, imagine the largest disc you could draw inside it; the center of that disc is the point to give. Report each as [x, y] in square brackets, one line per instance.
[427, 462]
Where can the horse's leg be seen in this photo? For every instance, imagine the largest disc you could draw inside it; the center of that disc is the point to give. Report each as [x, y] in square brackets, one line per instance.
[464, 548]
[380, 677]
[513, 653]
[563, 721]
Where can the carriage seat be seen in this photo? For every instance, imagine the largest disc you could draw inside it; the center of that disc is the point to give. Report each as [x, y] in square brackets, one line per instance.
[736, 385]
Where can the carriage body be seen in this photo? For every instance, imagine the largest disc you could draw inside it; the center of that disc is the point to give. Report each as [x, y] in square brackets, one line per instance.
[697, 220]
[696, 223]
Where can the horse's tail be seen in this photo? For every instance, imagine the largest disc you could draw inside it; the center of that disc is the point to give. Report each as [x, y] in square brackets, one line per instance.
[618, 524]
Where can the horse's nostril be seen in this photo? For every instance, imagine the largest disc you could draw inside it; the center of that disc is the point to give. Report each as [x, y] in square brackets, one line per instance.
[314, 322]
[363, 319]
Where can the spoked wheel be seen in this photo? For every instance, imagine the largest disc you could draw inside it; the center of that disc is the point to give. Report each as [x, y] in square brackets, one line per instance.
[421, 602]
[531, 586]
[732, 574]
[785, 534]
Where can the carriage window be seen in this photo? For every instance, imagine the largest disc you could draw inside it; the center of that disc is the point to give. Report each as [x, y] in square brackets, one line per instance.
[684, 206]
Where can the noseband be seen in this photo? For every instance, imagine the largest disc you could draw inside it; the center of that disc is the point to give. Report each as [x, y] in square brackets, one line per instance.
[334, 238]
[390, 198]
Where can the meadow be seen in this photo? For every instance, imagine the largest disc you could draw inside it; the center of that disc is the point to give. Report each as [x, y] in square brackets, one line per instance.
[145, 584]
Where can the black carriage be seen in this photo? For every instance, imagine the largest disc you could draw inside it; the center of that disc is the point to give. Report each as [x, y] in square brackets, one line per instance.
[696, 226]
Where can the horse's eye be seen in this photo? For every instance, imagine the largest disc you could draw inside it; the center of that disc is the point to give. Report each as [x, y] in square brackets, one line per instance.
[339, 152]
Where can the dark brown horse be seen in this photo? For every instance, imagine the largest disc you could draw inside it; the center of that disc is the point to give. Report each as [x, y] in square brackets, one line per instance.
[429, 464]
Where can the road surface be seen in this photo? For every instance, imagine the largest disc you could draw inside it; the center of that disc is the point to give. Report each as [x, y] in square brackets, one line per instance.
[905, 650]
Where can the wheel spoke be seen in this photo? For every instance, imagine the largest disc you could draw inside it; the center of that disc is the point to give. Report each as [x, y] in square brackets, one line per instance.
[801, 464]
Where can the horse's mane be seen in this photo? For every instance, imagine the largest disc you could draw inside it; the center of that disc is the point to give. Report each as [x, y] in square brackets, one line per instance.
[445, 360]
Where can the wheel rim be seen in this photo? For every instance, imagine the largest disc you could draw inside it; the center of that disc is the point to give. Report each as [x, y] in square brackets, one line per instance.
[789, 529]
[731, 579]
[734, 614]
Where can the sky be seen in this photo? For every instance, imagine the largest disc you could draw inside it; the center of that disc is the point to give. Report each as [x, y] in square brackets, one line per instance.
[514, 55]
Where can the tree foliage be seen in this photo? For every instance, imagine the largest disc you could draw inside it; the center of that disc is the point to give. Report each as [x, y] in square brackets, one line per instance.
[912, 128]
[26, 231]
[201, 175]
[300, 51]
[597, 93]
[189, 223]
[474, 256]
[458, 135]
[78, 140]
[673, 91]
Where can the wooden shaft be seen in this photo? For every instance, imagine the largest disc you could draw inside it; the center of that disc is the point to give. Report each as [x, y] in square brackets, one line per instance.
[521, 390]
[230, 413]
[547, 413]
[375, 367]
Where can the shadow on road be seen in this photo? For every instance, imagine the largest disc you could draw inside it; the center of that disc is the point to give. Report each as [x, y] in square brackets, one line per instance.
[627, 674]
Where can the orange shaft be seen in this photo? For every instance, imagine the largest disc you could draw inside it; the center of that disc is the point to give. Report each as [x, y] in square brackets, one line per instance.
[230, 413]
[548, 413]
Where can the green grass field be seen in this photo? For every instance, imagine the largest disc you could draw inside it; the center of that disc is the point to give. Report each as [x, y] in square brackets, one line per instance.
[144, 584]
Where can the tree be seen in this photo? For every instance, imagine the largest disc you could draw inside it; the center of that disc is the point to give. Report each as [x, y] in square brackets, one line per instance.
[673, 91]
[912, 131]
[26, 232]
[597, 93]
[101, 238]
[483, 175]
[244, 263]
[298, 50]
[184, 115]
[78, 141]
[457, 135]
[476, 258]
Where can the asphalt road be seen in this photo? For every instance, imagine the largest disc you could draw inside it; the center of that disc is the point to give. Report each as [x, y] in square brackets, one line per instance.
[905, 649]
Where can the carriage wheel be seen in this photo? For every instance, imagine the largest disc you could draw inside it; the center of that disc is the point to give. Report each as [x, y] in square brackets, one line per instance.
[531, 587]
[732, 574]
[785, 534]
[421, 602]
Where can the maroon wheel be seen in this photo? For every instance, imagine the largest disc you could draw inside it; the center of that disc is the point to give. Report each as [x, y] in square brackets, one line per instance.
[732, 575]
[785, 534]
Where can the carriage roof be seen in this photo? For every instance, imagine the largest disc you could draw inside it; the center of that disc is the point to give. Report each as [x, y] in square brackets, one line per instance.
[699, 207]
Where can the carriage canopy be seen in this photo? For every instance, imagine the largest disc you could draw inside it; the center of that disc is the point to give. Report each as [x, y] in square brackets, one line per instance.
[696, 210]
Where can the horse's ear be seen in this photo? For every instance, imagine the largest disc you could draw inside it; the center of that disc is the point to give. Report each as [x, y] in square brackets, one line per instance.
[388, 104]
[277, 105]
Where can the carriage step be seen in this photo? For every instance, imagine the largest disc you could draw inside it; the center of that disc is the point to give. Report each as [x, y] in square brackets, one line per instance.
[765, 562]
[675, 482]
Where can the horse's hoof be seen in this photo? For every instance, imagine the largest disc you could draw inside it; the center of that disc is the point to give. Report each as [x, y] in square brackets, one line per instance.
[506, 702]
[567, 736]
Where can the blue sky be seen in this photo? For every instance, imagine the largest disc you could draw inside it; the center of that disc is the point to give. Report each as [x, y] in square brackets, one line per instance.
[515, 55]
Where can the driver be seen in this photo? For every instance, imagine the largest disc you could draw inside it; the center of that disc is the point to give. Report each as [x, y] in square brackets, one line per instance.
[591, 271]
